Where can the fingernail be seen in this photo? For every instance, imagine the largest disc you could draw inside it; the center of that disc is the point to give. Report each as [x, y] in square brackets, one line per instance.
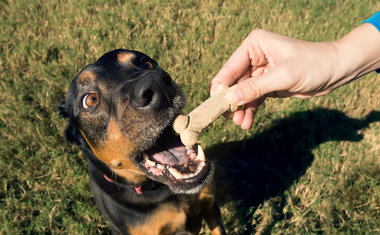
[233, 96]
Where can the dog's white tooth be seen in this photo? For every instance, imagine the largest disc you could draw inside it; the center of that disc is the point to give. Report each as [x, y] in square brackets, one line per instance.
[176, 173]
[201, 155]
[199, 168]
[160, 167]
[186, 176]
[145, 157]
[150, 163]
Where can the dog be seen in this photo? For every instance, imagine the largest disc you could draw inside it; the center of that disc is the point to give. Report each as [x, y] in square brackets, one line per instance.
[119, 111]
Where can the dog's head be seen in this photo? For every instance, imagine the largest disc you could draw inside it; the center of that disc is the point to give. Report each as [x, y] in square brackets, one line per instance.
[120, 110]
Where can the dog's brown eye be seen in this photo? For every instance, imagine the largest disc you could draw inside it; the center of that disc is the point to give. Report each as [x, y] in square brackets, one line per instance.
[90, 100]
[147, 65]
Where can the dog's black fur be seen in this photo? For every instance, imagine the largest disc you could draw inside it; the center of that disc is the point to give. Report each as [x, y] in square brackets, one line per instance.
[119, 113]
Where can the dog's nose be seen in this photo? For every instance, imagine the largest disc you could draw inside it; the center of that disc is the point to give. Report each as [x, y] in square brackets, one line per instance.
[154, 90]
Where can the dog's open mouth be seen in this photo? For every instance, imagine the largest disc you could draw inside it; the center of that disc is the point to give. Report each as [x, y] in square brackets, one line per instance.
[169, 160]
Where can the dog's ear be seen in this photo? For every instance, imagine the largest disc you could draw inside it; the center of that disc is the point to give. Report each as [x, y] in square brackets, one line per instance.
[76, 138]
[72, 133]
[62, 109]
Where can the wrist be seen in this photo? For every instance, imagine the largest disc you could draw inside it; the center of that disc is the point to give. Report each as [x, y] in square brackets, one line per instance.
[358, 54]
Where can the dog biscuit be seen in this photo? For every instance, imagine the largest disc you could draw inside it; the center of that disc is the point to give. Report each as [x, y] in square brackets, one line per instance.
[189, 127]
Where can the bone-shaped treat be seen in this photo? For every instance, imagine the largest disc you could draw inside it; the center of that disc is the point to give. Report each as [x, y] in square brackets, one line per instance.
[189, 127]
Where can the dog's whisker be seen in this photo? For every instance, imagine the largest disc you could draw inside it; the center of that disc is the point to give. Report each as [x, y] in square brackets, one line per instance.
[166, 95]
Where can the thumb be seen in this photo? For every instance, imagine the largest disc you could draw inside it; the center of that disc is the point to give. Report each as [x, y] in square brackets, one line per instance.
[255, 87]
[213, 85]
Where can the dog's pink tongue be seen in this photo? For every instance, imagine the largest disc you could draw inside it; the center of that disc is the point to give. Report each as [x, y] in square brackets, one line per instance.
[173, 156]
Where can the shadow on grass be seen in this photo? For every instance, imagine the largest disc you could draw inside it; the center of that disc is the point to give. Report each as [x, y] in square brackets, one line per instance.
[267, 164]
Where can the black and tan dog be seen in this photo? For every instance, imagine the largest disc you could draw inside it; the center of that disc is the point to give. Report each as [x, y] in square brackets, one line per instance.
[144, 180]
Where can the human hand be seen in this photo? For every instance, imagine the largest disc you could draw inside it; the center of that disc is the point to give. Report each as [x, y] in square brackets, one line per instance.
[271, 65]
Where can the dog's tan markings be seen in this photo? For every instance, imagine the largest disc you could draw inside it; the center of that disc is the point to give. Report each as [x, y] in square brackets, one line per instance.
[167, 219]
[170, 218]
[125, 57]
[86, 77]
[115, 163]
[116, 151]
[205, 207]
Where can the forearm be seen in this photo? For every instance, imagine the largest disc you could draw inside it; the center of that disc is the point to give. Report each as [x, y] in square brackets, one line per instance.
[358, 54]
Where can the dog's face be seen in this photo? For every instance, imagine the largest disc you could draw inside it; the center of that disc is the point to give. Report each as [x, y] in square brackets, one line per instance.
[121, 109]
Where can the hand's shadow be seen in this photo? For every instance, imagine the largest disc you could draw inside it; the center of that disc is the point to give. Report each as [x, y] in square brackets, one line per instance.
[267, 164]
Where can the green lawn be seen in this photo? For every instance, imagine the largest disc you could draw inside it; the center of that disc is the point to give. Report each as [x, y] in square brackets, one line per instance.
[307, 166]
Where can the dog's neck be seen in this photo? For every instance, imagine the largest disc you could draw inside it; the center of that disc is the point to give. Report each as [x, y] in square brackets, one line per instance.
[102, 171]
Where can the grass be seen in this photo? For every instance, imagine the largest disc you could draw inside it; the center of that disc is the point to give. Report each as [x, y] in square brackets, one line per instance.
[308, 166]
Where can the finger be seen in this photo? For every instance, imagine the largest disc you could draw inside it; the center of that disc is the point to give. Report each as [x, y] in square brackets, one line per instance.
[253, 88]
[249, 54]
[235, 67]
[215, 83]
[250, 112]
[248, 118]
[238, 117]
